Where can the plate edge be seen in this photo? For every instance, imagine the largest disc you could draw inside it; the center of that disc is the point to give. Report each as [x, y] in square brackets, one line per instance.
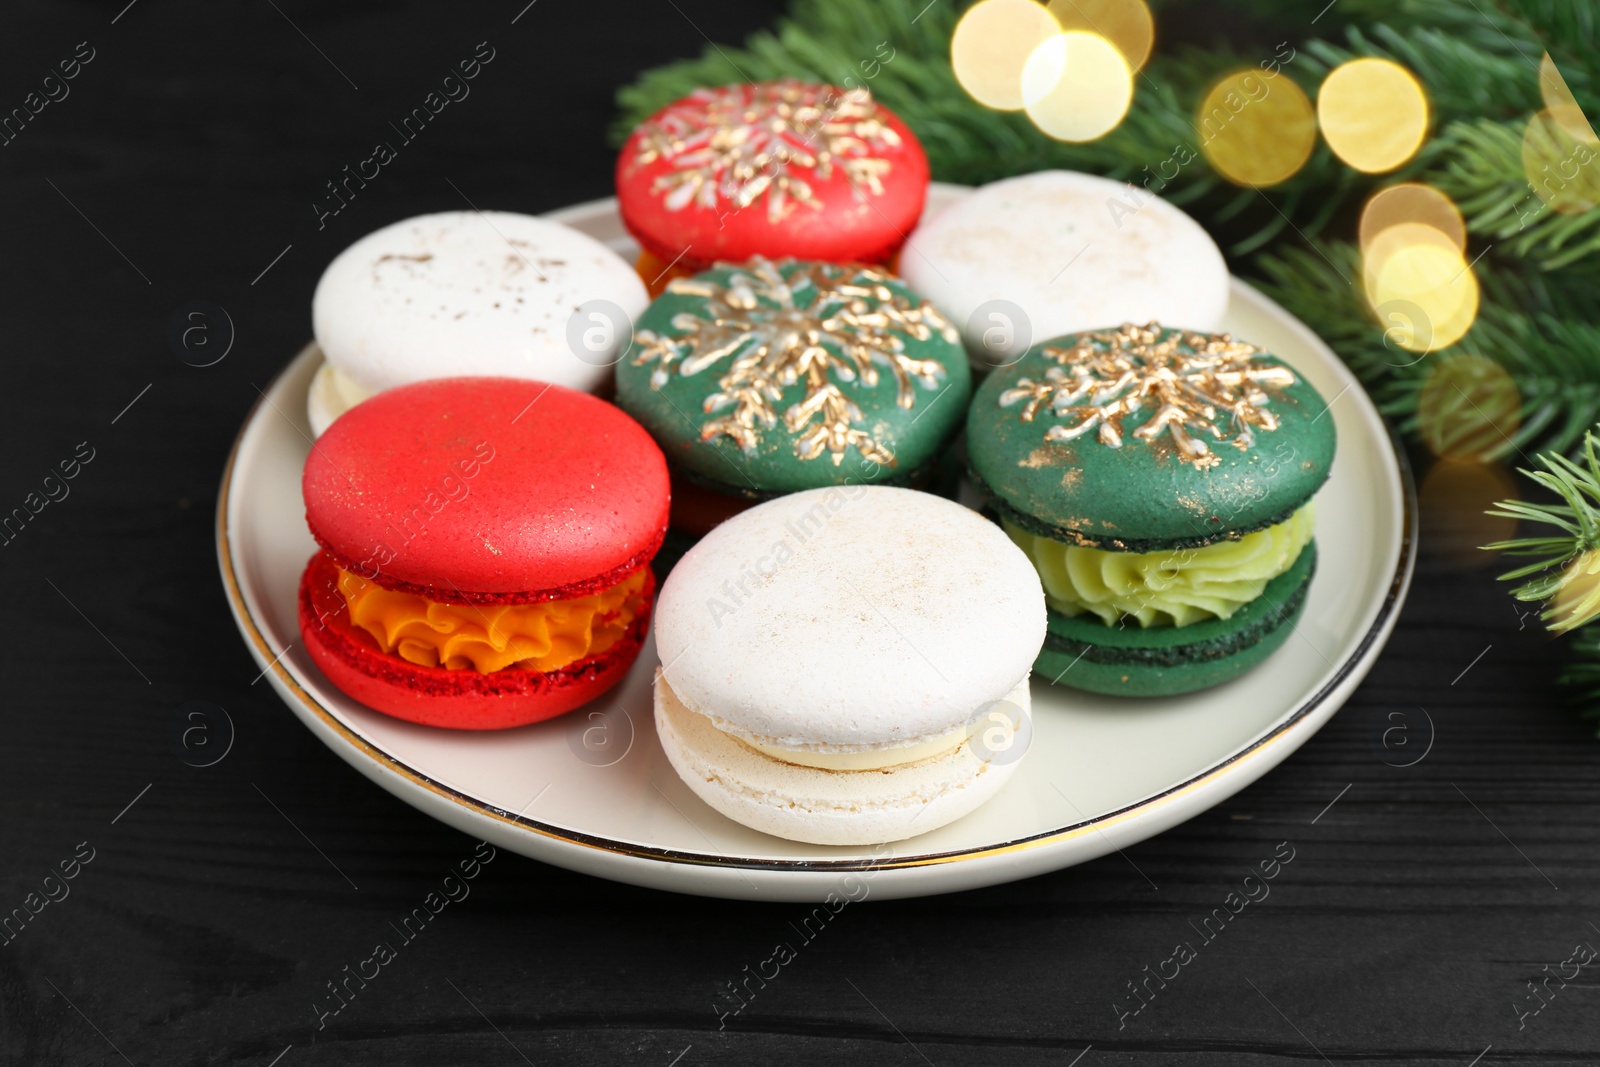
[285, 682]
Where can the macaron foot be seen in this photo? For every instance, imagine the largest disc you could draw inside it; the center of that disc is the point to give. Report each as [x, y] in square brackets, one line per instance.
[828, 807]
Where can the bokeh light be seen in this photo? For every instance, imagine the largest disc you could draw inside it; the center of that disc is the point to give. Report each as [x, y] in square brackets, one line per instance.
[1560, 167]
[1374, 114]
[1256, 129]
[1076, 86]
[1421, 286]
[1562, 105]
[1469, 408]
[1451, 503]
[1127, 24]
[1392, 240]
[1412, 202]
[991, 44]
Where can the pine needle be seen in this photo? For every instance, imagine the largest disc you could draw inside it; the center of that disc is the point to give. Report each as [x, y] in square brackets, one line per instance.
[1565, 565]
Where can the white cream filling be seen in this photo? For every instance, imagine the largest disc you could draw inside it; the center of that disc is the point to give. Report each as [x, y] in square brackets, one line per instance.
[866, 759]
[837, 757]
[333, 392]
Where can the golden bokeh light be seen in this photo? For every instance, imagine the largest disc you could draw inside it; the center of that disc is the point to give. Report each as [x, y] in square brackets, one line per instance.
[1076, 86]
[1427, 299]
[991, 44]
[1451, 503]
[1374, 114]
[1404, 239]
[1562, 105]
[1412, 202]
[1421, 287]
[1560, 167]
[1256, 128]
[1125, 23]
[1469, 408]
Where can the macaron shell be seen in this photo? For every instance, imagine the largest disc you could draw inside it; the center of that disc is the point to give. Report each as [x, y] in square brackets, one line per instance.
[1083, 653]
[677, 410]
[487, 490]
[824, 807]
[856, 615]
[1174, 679]
[469, 292]
[1125, 680]
[1141, 496]
[848, 220]
[1074, 252]
[454, 699]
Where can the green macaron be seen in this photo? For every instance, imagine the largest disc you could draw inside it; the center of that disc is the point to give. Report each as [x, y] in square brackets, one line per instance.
[1161, 482]
[770, 377]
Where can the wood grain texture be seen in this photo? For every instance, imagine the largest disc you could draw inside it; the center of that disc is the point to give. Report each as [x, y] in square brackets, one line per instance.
[206, 926]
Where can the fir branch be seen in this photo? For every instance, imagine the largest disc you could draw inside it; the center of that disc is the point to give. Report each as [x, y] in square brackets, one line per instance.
[1479, 62]
[1568, 30]
[969, 144]
[1484, 86]
[1554, 361]
[1473, 57]
[1530, 326]
[1473, 63]
[1563, 573]
[1576, 25]
[1481, 169]
[1484, 25]
[965, 142]
[816, 39]
[1487, 76]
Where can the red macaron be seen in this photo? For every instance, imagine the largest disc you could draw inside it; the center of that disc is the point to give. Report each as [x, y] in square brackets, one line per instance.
[776, 169]
[485, 550]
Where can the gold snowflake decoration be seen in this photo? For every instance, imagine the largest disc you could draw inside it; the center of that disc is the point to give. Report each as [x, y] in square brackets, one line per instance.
[740, 142]
[822, 325]
[1198, 385]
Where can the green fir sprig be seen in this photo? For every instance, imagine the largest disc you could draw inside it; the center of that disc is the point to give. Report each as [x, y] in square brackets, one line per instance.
[1479, 61]
[1563, 574]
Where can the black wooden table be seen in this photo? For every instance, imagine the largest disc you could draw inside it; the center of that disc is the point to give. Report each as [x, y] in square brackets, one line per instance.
[184, 162]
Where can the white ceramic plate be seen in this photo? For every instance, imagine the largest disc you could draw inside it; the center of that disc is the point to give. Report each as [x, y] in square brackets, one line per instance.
[592, 791]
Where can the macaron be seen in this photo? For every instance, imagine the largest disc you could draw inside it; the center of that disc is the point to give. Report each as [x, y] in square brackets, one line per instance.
[469, 293]
[485, 550]
[775, 168]
[770, 377]
[1059, 252]
[1161, 482]
[848, 665]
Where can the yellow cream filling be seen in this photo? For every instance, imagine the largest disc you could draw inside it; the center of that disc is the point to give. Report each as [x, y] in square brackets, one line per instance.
[866, 759]
[1173, 587]
[489, 637]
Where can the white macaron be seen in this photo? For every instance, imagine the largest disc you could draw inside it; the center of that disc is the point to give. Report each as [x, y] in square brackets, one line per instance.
[848, 665]
[1055, 252]
[469, 293]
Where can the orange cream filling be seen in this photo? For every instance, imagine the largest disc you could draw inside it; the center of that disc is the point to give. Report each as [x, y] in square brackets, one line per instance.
[489, 637]
[656, 272]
